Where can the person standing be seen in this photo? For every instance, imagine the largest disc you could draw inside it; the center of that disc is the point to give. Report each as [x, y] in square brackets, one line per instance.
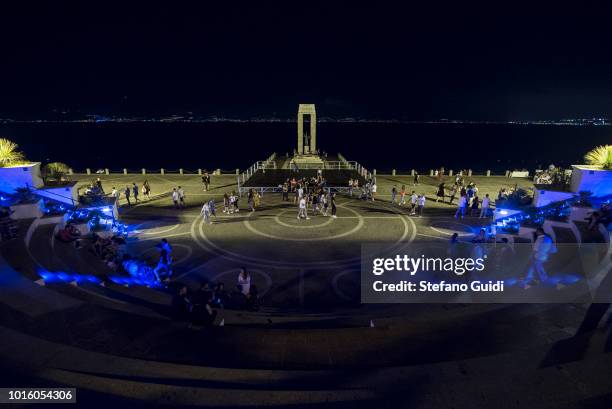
[402, 201]
[244, 281]
[542, 248]
[413, 202]
[206, 181]
[393, 194]
[302, 209]
[99, 184]
[175, 198]
[416, 179]
[251, 200]
[127, 193]
[211, 205]
[146, 189]
[484, 210]
[136, 191]
[475, 204]
[285, 192]
[324, 203]
[373, 188]
[181, 195]
[205, 213]
[461, 205]
[333, 205]
[420, 204]
[116, 194]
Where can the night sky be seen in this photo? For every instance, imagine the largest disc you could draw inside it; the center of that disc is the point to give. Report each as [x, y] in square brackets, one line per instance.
[500, 61]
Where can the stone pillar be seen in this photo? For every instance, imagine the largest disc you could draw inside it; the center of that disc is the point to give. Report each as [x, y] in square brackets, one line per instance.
[488, 173]
[237, 171]
[469, 172]
[200, 172]
[450, 172]
[374, 172]
[431, 172]
[88, 171]
[106, 171]
[507, 173]
[393, 172]
[124, 171]
[181, 171]
[306, 109]
[144, 171]
[162, 171]
[412, 172]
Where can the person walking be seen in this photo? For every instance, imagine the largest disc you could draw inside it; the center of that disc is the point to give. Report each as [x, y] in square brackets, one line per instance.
[461, 205]
[175, 198]
[333, 205]
[136, 191]
[127, 193]
[416, 179]
[474, 206]
[440, 194]
[211, 205]
[453, 194]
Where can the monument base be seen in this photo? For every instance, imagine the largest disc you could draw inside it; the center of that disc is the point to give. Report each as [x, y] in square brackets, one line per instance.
[302, 159]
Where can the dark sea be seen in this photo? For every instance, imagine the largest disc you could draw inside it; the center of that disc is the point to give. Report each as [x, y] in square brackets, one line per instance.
[230, 145]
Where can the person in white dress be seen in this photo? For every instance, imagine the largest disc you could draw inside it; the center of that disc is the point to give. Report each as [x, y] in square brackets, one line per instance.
[244, 281]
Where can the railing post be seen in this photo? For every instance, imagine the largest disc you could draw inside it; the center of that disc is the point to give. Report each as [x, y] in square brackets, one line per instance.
[200, 172]
[450, 172]
[431, 172]
[144, 171]
[106, 171]
[469, 172]
[393, 172]
[161, 171]
[124, 171]
[374, 172]
[237, 171]
[181, 171]
[412, 172]
[88, 171]
[488, 173]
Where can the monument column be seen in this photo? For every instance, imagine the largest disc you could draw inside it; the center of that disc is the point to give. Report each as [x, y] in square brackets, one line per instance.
[300, 126]
[307, 109]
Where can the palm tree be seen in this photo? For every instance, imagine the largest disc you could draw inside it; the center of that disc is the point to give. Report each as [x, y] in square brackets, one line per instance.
[9, 155]
[56, 171]
[600, 156]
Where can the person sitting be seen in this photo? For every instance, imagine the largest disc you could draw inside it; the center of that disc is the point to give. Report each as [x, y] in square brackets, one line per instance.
[68, 234]
[220, 297]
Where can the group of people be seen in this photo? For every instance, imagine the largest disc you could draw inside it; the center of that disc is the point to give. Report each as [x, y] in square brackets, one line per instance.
[415, 202]
[199, 307]
[178, 197]
[131, 193]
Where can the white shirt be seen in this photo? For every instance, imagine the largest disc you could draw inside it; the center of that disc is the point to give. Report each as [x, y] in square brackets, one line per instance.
[245, 283]
[422, 201]
[181, 193]
[205, 209]
[300, 192]
[462, 201]
[175, 195]
[374, 188]
[414, 198]
[302, 203]
[485, 202]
